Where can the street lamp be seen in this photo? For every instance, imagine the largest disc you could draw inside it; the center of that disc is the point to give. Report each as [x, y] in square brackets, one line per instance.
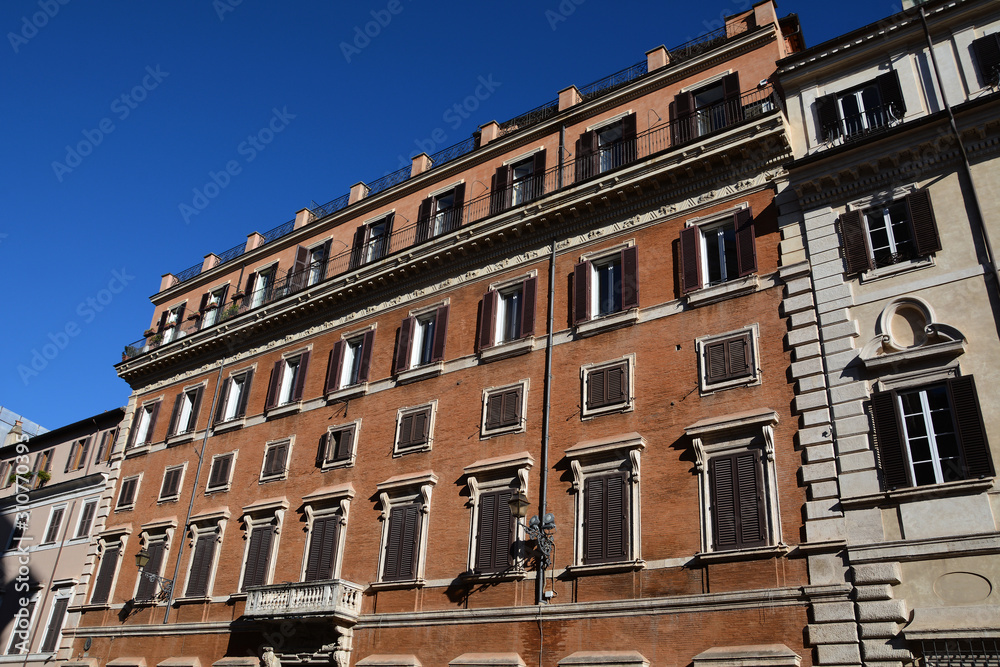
[537, 529]
[141, 561]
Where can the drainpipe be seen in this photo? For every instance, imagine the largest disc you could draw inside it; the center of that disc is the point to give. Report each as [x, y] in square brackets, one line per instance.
[546, 410]
[979, 221]
[194, 492]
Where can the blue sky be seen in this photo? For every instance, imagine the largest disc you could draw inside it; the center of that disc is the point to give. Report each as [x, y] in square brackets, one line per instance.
[115, 113]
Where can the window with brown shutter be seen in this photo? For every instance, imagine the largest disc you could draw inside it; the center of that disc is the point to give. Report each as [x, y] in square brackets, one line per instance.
[718, 252]
[987, 50]
[930, 434]
[414, 429]
[106, 574]
[494, 532]
[336, 446]
[51, 640]
[258, 556]
[606, 284]
[126, 497]
[737, 497]
[860, 111]
[86, 518]
[275, 460]
[502, 409]
[323, 540]
[350, 362]
[607, 387]
[728, 360]
[606, 528]
[218, 476]
[170, 489]
[889, 233]
[402, 543]
[147, 588]
[202, 560]
[55, 523]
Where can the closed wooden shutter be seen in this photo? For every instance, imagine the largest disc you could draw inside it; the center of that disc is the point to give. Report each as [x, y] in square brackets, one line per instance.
[49, 643]
[258, 556]
[365, 365]
[171, 482]
[500, 192]
[300, 377]
[852, 231]
[746, 251]
[249, 287]
[455, 219]
[274, 385]
[201, 565]
[403, 343]
[607, 386]
[221, 400]
[605, 524]
[322, 548]
[987, 50]
[628, 148]
[587, 156]
[424, 220]
[925, 234]
[241, 409]
[55, 523]
[690, 259]
[731, 98]
[494, 405]
[891, 93]
[494, 532]
[402, 543]
[344, 444]
[889, 443]
[684, 122]
[528, 299]
[828, 116]
[630, 278]
[503, 409]
[106, 573]
[581, 292]
[127, 495]
[405, 431]
[728, 359]
[147, 588]
[738, 514]
[86, 519]
[969, 420]
[219, 475]
[440, 333]
[487, 319]
[274, 460]
[537, 176]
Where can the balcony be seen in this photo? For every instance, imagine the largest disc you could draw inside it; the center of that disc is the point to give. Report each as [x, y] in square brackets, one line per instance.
[334, 597]
[679, 132]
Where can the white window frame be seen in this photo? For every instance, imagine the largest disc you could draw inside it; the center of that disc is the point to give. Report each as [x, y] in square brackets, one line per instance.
[271, 271]
[229, 481]
[142, 426]
[27, 633]
[707, 388]
[205, 524]
[497, 474]
[118, 535]
[355, 427]
[322, 503]
[60, 593]
[155, 531]
[135, 495]
[402, 412]
[290, 368]
[594, 458]
[502, 348]
[63, 522]
[79, 518]
[192, 419]
[597, 259]
[262, 514]
[290, 441]
[229, 411]
[313, 278]
[213, 308]
[404, 490]
[730, 434]
[587, 412]
[522, 423]
[160, 498]
[172, 325]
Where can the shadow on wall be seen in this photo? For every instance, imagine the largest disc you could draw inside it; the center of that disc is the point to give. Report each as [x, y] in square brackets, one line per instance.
[22, 587]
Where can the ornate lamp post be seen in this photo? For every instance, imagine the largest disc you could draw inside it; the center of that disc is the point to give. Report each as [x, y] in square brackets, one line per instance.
[540, 530]
[141, 560]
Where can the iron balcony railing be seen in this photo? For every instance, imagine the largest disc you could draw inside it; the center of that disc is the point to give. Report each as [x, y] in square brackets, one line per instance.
[666, 136]
[862, 124]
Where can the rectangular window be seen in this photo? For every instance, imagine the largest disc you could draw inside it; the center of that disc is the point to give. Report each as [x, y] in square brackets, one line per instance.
[235, 393]
[53, 631]
[422, 339]
[170, 323]
[508, 313]
[106, 447]
[350, 361]
[727, 360]
[738, 511]
[494, 532]
[402, 543]
[987, 50]
[606, 524]
[78, 454]
[323, 544]
[212, 303]
[260, 285]
[147, 588]
[605, 148]
[337, 447]
[201, 563]
[106, 573]
[503, 410]
[258, 556]
[143, 424]
[21, 637]
[171, 487]
[606, 387]
[186, 408]
[717, 252]
[318, 258]
[889, 233]
[606, 284]
[55, 524]
[126, 496]
[931, 434]
[371, 241]
[440, 213]
[860, 111]
[86, 519]
[706, 108]
[287, 380]
[221, 472]
[275, 460]
[518, 182]
[413, 429]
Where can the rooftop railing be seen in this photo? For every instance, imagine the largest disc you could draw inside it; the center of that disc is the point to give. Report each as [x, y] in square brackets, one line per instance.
[702, 122]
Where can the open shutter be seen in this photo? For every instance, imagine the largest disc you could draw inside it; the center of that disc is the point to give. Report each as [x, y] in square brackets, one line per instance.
[241, 409]
[147, 588]
[593, 520]
[751, 500]
[335, 366]
[925, 234]
[537, 176]
[71, 459]
[365, 364]
[84, 451]
[223, 294]
[828, 116]
[403, 345]
[201, 565]
[195, 410]
[852, 231]
[588, 159]
[581, 292]
[731, 98]
[300, 377]
[487, 319]
[723, 482]
[273, 385]
[500, 190]
[891, 94]
[359, 249]
[250, 286]
[529, 293]
[969, 420]
[690, 259]
[424, 220]
[630, 278]
[746, 251]
[55, 625]
[684, 120]
[299, 267]
[987, 50]
[889, 439]
[223, 397]
[628, 147]
[486, 546]
[154, 413]
[163, 321]
[455, 219]
[105, 575]
[440, 333]
[178, 402]
[616, 540]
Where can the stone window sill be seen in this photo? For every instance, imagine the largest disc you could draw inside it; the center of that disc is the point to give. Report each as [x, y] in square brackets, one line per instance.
[755, 553]
[606, 568]
[354, 391]
[420, 373]
[395, 585]
[282, 410]
[180, 439]
[507, 350]
[599, 325]
[895, 269]
[230, 425]
[916, 493]
[723, 291]
[137, 450]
